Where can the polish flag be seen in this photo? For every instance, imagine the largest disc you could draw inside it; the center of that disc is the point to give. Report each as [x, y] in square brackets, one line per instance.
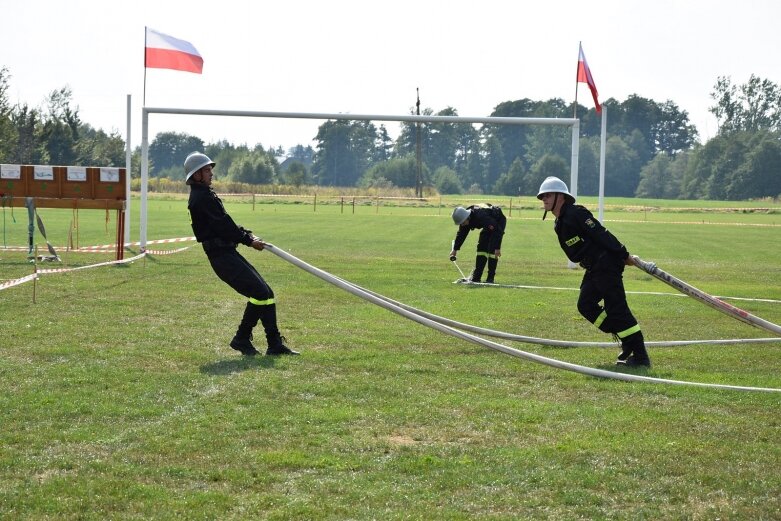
[584, 76]
[167, 52]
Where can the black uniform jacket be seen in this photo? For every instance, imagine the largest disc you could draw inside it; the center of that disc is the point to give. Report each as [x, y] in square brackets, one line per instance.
[212, 225]
[583, 238]
[488, 218]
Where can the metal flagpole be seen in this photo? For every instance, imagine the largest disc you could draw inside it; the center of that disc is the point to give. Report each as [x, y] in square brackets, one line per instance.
[602, 150]
[577, 69]
[143, 100]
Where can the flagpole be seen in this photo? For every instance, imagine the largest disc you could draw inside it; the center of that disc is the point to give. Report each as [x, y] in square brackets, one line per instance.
[577, 69]
[143, 101]
[602, 152]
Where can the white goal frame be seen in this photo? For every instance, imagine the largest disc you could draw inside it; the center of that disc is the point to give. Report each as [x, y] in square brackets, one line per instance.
[411, 118]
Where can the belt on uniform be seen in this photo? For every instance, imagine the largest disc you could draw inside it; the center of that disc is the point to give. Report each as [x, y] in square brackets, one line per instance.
[217, 243]
[591, 261]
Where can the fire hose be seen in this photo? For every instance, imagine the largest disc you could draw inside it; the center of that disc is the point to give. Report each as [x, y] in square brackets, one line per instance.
[601, 373]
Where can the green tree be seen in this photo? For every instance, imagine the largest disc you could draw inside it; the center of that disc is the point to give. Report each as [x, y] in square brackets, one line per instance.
[511, 183]
[27, 122]
[169, 149]
[546, 166]
[673, 133]
[444, 143]
[758, 175]
[494, 163]
[446, 181]
[753, 106]
[344, 151]
[253, 168]
[655, 178]
[59, 132]
[296, 174]
[475, 166]
[720, 172]
[622, 169]
[588, 166]
[224, 154]
[512, 138]
[383, 147]
[677, 172]
[696, 180]
[303, 154]
[8, 133]
[96, 148]
[399, 171]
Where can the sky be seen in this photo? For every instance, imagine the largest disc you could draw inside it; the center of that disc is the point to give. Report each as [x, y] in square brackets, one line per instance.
[369, 57]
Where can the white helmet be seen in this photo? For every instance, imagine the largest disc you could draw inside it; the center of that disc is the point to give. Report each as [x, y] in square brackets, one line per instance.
[194, 162]
[555, 185]
[460, 214]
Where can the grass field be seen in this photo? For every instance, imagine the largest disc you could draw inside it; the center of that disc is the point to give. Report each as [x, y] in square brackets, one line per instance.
[120, 399]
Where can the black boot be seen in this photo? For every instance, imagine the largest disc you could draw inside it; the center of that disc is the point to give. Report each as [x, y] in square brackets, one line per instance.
[242, 341]
[477, 273]
[492, 263]
[626, 350]
[635, 343]
[276, 346]
[275, 341]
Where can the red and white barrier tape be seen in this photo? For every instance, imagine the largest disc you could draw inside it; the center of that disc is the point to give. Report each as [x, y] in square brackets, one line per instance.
[107, 263]
[103, 247]
[167, 252]
[113, 246]
[15, 282]
[47, 271]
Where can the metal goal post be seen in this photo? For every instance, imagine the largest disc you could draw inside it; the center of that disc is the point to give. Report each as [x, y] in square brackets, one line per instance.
[411, 118]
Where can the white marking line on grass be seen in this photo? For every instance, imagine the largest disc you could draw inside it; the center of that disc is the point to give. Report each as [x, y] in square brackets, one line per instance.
[659, 293]
[357, 291]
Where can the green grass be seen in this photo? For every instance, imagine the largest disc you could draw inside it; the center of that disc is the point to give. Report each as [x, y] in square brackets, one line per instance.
[119, 398]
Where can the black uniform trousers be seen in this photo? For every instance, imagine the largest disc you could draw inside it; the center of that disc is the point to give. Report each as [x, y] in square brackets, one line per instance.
[242, 276]
[604, 282]
[239, 274]
[484, 240]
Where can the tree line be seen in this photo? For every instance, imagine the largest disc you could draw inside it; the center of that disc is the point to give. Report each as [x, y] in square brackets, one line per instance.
[653, 150]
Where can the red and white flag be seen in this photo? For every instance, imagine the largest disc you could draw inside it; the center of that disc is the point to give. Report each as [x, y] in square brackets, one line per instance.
[167, 52]
[584, 76]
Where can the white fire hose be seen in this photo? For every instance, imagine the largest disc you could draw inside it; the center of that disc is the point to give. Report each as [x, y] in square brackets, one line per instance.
[403, 311]
[717, 304]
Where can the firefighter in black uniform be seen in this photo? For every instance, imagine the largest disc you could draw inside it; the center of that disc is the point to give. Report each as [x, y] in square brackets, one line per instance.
[492, 222]
[220, 236]
[585, 241]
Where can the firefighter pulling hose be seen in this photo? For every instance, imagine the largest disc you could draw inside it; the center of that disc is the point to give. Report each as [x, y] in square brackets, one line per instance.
[602, 299]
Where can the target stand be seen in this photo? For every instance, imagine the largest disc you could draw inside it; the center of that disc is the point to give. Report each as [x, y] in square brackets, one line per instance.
[73, 187]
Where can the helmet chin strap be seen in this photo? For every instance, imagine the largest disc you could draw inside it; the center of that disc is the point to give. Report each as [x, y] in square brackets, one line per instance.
[555, 200]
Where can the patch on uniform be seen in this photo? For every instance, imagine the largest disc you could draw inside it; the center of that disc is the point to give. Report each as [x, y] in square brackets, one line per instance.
[572, 241]
[590, 223]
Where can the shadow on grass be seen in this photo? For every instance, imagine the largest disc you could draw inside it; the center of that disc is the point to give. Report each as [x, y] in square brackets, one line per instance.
[235, 365]
[640, 371]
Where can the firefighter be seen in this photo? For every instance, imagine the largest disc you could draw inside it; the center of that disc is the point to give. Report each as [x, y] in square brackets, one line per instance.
[220, 236]
[491, 221]
[585, 241]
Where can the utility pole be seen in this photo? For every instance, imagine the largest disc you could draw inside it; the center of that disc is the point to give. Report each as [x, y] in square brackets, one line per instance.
[418, 153]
